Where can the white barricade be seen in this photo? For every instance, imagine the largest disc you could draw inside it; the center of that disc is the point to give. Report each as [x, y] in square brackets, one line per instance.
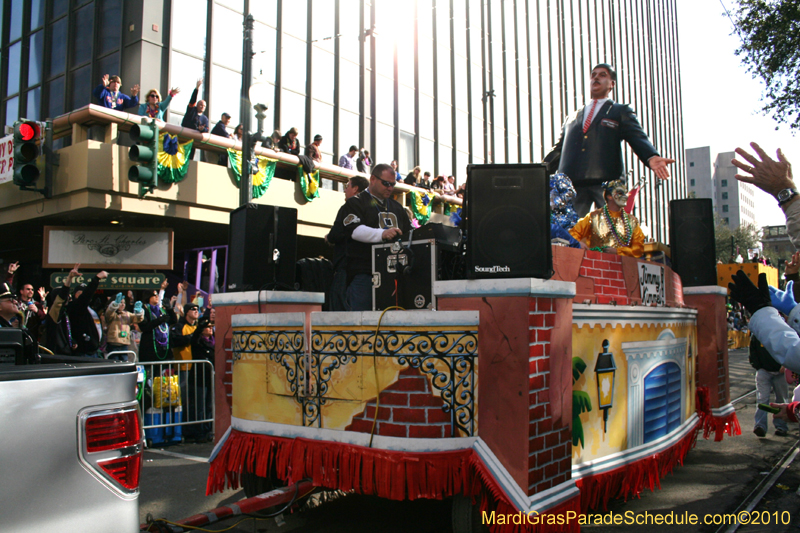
[178, 402]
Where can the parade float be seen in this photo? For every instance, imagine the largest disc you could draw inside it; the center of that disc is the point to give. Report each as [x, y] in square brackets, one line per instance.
[535, 400]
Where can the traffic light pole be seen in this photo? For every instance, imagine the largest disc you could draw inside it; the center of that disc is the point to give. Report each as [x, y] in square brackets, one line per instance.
[51, 160]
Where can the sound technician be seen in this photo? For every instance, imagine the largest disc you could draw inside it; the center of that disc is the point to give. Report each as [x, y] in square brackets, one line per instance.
[370, 217]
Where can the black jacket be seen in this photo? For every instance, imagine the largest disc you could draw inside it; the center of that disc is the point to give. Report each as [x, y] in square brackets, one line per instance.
[203, 348]
[363, 209]
[596, 156]
[176, 337]
[221, 130]
[84, 328]
[149, 350]
[760, 357]
[287, 146]
[56, 323]
[191, 119]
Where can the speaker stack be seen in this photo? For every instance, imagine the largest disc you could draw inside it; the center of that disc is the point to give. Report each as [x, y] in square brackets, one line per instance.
[691, 239]
[262, 248]
[508, 222]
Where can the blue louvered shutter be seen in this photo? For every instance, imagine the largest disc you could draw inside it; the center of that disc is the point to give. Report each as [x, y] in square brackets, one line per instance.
[662, 401]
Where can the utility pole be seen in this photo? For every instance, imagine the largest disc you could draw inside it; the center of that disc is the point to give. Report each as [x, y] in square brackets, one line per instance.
[246, 182]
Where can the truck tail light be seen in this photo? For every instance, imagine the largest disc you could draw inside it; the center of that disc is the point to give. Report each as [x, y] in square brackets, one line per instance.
[125, 470]
[111, 446]
[111, 431]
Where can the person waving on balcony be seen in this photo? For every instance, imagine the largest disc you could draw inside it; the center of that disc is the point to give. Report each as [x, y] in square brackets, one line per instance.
[194, 118]
[153, 107]
[109, 96]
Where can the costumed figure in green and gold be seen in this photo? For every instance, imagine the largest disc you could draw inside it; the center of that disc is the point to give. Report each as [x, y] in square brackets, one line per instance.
[610, 228]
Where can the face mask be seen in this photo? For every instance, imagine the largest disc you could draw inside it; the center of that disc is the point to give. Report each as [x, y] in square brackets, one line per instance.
[620, 197]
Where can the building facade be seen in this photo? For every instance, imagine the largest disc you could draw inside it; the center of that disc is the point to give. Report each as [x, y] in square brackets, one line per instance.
[436, 83]
[775, 243]
[698, 173]
[734, 200]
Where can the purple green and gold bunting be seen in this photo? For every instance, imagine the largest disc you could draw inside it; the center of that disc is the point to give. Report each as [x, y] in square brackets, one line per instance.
[309, 183]
[450, 208]
[421, 205]
[173, 158]
[261, 180]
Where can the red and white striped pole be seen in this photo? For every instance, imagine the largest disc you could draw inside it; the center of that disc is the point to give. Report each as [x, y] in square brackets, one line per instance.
[249, 505]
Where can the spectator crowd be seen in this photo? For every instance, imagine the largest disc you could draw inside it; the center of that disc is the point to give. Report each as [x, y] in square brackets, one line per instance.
[108, 95]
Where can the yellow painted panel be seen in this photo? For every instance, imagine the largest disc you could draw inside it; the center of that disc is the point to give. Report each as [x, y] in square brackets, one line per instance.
[250, 385]
[725, 273]
[388, 374]
[338, 414]
[587, 344]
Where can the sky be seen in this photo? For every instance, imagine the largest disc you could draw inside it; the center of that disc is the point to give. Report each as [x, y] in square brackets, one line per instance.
[721, 100]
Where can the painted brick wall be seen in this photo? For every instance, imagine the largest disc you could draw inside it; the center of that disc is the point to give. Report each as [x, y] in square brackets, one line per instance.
[606, 271]
[549, 448]
[227, 379]
[408, 408]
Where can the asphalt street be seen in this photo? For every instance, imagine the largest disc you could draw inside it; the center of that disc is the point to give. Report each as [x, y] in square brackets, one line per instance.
[716, 478]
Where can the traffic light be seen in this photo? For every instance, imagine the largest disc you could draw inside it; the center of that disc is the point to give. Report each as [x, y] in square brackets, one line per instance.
[145, 152]
[27, 149]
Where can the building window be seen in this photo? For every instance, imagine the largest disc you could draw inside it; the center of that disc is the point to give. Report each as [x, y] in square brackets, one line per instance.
[691, 182]
[727, 221]
[724, 183]
[691, 164]
[725, 208]
[724, 196]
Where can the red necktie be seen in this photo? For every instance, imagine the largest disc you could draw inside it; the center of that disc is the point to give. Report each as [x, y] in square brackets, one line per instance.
[589, 118]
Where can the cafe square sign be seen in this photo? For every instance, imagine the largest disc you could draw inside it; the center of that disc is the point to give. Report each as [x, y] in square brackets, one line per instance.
[115, 248]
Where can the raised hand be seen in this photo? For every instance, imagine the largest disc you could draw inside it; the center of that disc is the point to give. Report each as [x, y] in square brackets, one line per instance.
[118, 299]
[137, 308]
[751, 297]
[135, 90]
[102, 274]
[105, 80]
[768, 175]
[199, 83]
[13, 267]
[74, 273]
[793, 264]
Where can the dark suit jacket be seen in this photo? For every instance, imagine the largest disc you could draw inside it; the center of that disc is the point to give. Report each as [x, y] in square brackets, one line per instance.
[596, 156]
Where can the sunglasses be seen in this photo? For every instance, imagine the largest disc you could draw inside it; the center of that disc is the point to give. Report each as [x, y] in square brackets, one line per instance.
[152, 96]
[387, 183]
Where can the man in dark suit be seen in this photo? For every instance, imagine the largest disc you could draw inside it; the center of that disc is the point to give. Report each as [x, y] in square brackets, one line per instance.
[589, 150]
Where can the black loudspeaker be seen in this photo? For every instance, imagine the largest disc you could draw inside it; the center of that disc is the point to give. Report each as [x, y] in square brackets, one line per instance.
[262, 248]
[691, 240]
[508, 222]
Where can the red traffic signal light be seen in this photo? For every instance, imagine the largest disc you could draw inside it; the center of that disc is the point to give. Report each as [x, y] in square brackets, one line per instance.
[27, 131]
[27, 149]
